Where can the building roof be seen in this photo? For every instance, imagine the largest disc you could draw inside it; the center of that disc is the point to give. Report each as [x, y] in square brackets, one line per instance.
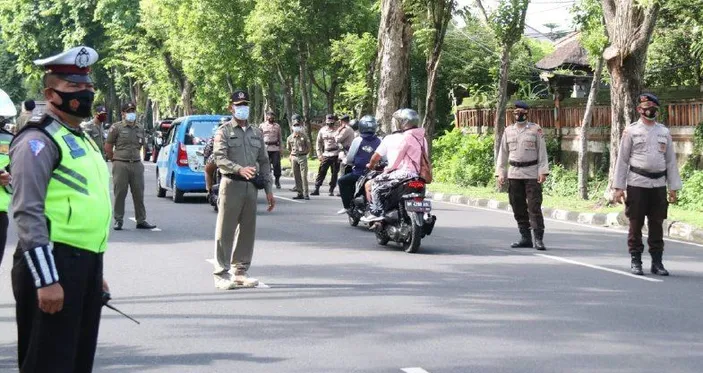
[533, 33]
[568, 51]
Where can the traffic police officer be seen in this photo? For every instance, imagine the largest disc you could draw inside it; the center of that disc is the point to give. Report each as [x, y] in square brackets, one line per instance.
[7, 109]
[524, 149]
[95, 127]
[123, 147]
[239, 148]
[273, 138]
[299, 148]
[328, 154]
[61, 206]
[646, 165]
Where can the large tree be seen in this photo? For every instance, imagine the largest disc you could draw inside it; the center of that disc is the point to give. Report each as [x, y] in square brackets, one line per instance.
[394, 40]
[629, 25]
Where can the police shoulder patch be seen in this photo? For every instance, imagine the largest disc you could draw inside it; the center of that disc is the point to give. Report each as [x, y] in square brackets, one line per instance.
[36, 146]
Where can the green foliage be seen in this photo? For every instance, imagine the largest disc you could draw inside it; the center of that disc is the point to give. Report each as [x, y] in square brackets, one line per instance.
[465, 160]
[588, 16]
[691, 197]
[508, 21]
[356, 55]
[563, 182]
[553, 149]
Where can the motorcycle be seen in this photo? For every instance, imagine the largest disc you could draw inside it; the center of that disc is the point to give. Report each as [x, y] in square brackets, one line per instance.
[359, 202]
[407, 219]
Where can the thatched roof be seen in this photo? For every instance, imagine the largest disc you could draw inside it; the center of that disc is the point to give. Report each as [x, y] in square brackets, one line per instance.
[568, 52]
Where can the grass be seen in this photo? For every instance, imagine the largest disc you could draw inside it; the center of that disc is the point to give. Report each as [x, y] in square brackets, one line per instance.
[571, 204]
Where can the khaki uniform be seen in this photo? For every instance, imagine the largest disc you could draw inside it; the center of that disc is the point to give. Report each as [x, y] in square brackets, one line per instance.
[522, 158]
[273, 138]
[127, 168]
[95, 131]
[299, 148]
[235, 148]
[345, 136]
[328, 154]
[646, 165]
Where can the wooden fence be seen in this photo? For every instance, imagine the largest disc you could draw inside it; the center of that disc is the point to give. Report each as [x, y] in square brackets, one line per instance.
[676, 114]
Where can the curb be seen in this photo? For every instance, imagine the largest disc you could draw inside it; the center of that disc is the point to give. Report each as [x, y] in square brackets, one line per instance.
[672, 229]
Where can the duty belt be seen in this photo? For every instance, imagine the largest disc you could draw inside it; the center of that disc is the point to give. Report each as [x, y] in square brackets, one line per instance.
[272, 143]
[236, 177]
[126, 160]
[331, 149]
[645, 173]
[523, 164]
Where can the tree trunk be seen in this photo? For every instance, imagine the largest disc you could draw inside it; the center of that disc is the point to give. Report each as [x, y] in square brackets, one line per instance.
[626, 85]
[304, 91]
[394, 37]
[499, 121]
[270, 95]
[187, 97]
[585, 126]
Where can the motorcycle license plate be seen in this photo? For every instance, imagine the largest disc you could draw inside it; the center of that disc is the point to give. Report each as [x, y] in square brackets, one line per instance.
[418, 206]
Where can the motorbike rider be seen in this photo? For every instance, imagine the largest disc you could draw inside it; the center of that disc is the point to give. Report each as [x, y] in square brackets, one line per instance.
[403, 148]
[210, 167]
[359, 155]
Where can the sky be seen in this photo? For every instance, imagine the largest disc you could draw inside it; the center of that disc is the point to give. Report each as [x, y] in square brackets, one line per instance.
[540, 12]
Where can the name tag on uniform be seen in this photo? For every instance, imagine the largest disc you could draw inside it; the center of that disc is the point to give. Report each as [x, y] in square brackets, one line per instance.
[76, 150]
[4, 148]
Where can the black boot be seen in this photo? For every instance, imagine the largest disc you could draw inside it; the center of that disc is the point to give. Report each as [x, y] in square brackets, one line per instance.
[539, 235]
[636, 264]
[331, 192]
[525, 239]
[657, 266]
[316, 192]
[278, 182]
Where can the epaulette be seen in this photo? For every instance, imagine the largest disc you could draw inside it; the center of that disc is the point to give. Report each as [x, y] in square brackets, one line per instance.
[39, 120]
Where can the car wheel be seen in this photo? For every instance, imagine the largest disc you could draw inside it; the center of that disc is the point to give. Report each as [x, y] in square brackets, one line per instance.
[177, 194]
[160, 192]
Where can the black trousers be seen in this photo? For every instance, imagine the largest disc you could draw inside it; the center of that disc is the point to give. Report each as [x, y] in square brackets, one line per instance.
[347, 185]
[4, 222]
[526, 200]
[652, 204]
[64, 342]
[275, 158]
[325, 164]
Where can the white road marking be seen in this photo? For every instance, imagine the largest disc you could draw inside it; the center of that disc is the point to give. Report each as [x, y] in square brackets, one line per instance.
[605, 229]
[261, 284]
[414, 370]
[560, 259]
[288, 199]
[153, 230]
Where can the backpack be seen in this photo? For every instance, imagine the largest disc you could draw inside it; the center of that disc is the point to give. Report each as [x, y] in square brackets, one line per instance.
[425, 169]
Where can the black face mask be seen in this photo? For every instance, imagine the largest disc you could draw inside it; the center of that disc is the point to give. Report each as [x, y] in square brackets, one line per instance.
[650, 113]
[78, 104]
[521, 117]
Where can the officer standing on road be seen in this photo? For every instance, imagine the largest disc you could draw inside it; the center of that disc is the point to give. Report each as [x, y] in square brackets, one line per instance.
[61, 207]
[646, 164]
[299, 148]
[524, 149]
[95, 127]
[123, 147]
[328, 154]
[240, 154]
[345, 136]
[273, 138]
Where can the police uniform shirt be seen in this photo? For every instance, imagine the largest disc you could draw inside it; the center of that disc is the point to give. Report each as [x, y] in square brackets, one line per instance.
[237, 147]
[273, 136]
[33, 155]
[345, 136]
[522, 144]
[648, 147]
[128, 140]
[327, 142]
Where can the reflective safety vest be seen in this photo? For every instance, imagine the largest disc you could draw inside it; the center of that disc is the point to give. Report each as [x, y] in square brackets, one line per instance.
[77, 204]
[5, 192]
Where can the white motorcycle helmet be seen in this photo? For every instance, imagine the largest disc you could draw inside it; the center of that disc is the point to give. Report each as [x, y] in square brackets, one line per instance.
[404, 119]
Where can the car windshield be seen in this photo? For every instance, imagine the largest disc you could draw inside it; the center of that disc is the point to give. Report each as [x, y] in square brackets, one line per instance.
[199, 132]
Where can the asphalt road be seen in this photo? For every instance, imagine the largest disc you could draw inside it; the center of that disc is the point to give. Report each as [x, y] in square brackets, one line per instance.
[337, 302]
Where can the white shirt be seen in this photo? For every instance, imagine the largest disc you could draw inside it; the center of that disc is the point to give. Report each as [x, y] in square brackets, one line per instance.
[390, 147]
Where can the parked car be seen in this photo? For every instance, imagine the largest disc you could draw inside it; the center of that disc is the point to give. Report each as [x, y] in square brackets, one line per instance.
[160, 131]
[179, 168]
